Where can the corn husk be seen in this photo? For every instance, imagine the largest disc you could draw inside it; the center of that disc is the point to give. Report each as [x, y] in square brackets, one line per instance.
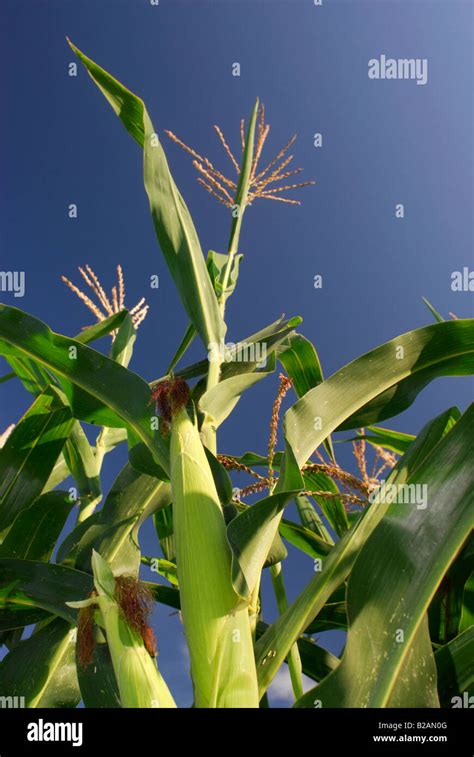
[217, 625]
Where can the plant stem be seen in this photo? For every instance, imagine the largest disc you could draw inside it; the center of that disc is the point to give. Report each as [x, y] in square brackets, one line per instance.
[294, 661]
[215, 366]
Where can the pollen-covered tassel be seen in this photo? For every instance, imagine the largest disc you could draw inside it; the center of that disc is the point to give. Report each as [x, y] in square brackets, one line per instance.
[217, 626]
[121, 613]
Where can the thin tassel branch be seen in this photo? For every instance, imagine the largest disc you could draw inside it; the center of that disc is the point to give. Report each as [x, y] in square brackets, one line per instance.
[283, 389]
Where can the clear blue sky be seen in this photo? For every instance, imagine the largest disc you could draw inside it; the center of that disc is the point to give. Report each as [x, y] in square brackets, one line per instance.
[384, 142]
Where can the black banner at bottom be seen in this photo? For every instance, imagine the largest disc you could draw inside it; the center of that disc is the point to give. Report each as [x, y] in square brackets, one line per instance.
[86, 732]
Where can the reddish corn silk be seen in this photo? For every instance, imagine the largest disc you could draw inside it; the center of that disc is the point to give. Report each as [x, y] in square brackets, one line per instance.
[85, 643]
[136, 602]
[149, 640]
[170, 396]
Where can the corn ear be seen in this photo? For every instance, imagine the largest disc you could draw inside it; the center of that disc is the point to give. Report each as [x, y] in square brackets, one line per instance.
[139, 681]
[217, 626]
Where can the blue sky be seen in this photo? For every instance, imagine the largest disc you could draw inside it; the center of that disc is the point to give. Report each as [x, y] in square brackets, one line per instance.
[384, 143]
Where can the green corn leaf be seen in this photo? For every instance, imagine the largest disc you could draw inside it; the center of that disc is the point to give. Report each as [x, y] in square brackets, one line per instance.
[219, 401]
[166, 595]
[173, 224]
[7, 376]
[163, 520]
[250, 536]
[67, 550]
[30, 453]
[97, 681]
[446, 609]
[439, 318]
[396, 441]
[286, 630]
[132, 498]
[186, 342]
[32, 375]
[243, 356]
[333, 508]
[122, 346]
[35, 530]
[83, 464]
[378, 384]
[216, 265]
[302, 364]
[42, 668]
[304, 539]
[30, 588]
[103, 328]
[221, 478]
[455, 668]
[405, 559]
[78, 458]
[164, 568]
[333, 615]
[311, 519]
[467, 606]
[99, 390]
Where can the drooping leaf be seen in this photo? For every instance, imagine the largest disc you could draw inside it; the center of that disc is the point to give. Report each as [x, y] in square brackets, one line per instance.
[29, 589]
[100, 390]
[379, 384]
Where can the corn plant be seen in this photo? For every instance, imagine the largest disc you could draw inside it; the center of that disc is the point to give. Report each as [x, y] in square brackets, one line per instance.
[391, 542]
